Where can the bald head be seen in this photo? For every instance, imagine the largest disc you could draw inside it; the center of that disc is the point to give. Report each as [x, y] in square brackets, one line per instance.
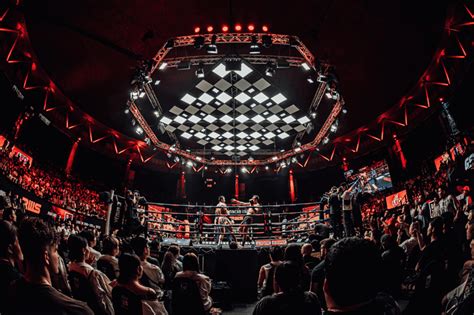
[307, 249]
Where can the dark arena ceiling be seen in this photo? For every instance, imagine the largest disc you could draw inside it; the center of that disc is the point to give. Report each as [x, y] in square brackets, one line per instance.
[379, 50]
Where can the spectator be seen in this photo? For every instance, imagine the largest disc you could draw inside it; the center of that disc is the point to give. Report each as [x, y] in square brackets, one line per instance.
[10, 257]
[94, 286]
[174, 249]
[130, 289]
[309, 261]
[266, 274]
[393, 258]
[318, 274]
[447, 202]
[293, 254]
[91, 239]
[191, 271]
[152, 275]
[291, 298]
[108, 262]
[353, 279]
[169, 267]
[9, 215]
[34, 293]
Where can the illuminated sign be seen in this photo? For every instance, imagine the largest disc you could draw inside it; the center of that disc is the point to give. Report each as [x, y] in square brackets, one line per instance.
[31, 205]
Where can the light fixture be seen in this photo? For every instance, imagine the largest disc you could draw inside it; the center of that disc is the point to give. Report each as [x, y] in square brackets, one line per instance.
[139, 130]
[157, 82]
[212, 47]
[265, 28]
[197, 29]
[163, 65]
[225, 28]
[210, 29]
[270, 70]
[313, 115]
[243, 169]
[142, 94]
[266, 167]
[200, 71]
[325, 140]
[310, 80]
[127, 111]
[254, 47]
[189, 163]
[344, 110]
[251, 27]
[156, 113]
[305, 66]
[238, 27]
[228, 170]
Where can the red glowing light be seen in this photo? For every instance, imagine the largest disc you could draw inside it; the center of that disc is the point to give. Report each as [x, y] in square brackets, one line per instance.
[238, 27]
[210, 29]
[197, 29]
[251, 27]
[441, 99]
[225, 28]
[265, 28]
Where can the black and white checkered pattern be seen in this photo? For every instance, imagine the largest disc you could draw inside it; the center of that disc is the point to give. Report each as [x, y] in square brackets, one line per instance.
[262, 114]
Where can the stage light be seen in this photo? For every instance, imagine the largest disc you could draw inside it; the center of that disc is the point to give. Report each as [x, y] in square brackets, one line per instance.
[205, 167]
[325, 140]
[310, 80]
[186, 135]
[157, 82]
[227, 135]
[209, 29]
[169, 44]
[293, 160]
[267, 41]
[199, 42]
[251, 27]
[334, 127]
[165, 120]
[189, 99]
[148, 79]
[139, 130]
[344, 110]
[328, 94]
[238, 27]
[270, 70]
[269, 135]
[243, 169]
[242, 97]
[133, 122]
[283, 135]
[283, 164]
[313, 115]
[254, 47]
[265, 28]
[142, 94]
[127, 111]
[274, 158]
[225, 28]
[200, 71]
[176, 159]
[321, 78]
[163, 65]
[228, 170]
[260, 97]
[266, 167]
[305, 66]
[197, 29]
[179, 119]
[258, 119]
[241, 148]
[212, 47]
[244, 70]
[189, 163]
[298, 149]
[279, 98]
[156, 113]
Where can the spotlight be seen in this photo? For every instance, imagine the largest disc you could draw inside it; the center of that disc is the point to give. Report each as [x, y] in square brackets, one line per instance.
[238, 27]
[228, 170]
[283, 164]
[156, 113]
[200, 71]
[310, 80]
[251, 27]
[210, 29]
[328, 94]
[313, 115]
[134, 95]
[163, 65]
[344, 110]
[197, 29]
[225, 28]
[189, 163]
[305, 66]
[127, 111]
[270, 70]
[176, 159]
[321, 78]
[139, 130]
[147, 141]
[199, 42]
[157, 82]
[265, 28]
[333, 128]
[293, 160]
[267, 41]
[133, 122]
[243, 169]
[212, 47]
[325, 140]
[254, 47]
[266, 167]
[142, 94]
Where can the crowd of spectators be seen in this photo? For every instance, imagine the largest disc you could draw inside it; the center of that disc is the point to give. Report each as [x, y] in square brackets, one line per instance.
[50, 185]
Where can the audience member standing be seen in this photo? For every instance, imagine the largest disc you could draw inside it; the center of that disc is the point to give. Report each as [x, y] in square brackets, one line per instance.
[267, 272]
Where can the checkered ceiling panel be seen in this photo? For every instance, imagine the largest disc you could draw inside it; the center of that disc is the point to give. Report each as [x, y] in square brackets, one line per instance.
[234, 112]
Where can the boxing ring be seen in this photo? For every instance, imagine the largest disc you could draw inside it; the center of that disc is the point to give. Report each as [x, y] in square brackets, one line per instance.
[198, 225]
